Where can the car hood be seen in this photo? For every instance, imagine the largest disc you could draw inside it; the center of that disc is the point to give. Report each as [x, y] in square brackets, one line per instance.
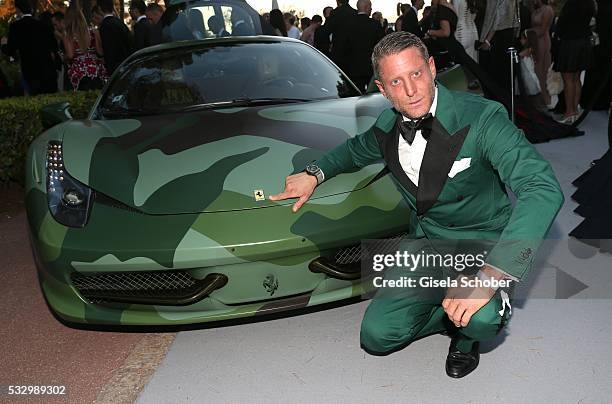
[215, 160]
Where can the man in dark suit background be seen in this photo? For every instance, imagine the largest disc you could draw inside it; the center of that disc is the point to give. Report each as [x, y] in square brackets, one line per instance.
[215, 24]
[35, 44]
[241, 23]
[116, 37]
[142, 27]
[321, 35]
[154, 13]
[338, 26]
[364, 34]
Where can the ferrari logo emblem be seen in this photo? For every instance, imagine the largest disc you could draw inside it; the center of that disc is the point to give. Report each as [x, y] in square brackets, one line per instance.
[259, 195]
[270, 284]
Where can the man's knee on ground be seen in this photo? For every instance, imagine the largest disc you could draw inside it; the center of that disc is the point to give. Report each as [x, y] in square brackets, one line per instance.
[378, 339]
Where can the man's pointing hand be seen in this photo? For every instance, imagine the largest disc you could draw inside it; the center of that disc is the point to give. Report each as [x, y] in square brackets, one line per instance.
[300, 185]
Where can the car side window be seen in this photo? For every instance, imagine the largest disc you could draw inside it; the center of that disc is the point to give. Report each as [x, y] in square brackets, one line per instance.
[199, 20]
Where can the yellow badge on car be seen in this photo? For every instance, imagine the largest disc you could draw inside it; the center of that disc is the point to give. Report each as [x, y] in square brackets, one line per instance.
[259, 195]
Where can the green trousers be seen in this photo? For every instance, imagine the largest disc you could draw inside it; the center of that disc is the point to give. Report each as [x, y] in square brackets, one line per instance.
[398, 316]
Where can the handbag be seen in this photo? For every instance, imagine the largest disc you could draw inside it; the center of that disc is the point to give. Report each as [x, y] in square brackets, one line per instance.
[554, 82]
[530, 80]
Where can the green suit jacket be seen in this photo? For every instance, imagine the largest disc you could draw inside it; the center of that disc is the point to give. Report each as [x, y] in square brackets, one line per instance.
[468, 130]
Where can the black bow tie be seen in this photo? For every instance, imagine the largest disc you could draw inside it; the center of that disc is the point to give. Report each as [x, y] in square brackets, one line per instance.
[409, 128]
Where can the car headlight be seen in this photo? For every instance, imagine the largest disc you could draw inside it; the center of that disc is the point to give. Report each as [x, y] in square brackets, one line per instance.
[69, 200]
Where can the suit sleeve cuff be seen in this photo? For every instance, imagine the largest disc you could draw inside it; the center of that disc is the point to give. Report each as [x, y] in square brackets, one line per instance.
[506, 274]
[327, 168]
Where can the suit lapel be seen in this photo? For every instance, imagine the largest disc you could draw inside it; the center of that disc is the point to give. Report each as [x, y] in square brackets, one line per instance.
[440, 154]
[442, 148]
[389, 146]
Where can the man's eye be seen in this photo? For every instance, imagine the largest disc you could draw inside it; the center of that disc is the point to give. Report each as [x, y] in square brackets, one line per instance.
[395, 82]
[417, 74]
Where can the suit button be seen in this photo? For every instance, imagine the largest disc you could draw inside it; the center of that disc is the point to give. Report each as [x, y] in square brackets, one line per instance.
[459, 198]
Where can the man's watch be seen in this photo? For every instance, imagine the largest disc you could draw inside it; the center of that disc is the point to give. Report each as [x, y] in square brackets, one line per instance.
[315, 171]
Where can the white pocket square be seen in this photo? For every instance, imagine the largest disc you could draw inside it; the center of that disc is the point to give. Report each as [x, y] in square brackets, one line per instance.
[459, 166]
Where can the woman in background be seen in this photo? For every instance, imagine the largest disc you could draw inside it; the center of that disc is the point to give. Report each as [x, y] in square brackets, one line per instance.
[86, 70]
[402, 10]
[442, 32]
[531, 84]
[444, 21]
[575, 52]
[466, 32]
[277, 21]
[541, 20]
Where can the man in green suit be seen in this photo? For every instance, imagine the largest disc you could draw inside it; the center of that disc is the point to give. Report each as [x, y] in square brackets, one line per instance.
[450, 154]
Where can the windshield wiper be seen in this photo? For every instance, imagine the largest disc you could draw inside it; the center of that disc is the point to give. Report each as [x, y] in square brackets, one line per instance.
[126, 112]
[253, 101]
[241, 102]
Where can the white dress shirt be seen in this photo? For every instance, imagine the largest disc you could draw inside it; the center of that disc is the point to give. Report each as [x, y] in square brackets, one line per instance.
[411, 156]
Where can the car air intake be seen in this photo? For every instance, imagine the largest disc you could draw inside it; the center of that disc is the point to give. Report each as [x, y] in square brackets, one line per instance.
[169, 288]
[345, 263]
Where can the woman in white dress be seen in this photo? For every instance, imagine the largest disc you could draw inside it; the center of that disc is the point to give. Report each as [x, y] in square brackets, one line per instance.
[466, 32]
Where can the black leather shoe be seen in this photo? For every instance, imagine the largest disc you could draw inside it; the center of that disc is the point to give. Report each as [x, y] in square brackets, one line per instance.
[459, 364]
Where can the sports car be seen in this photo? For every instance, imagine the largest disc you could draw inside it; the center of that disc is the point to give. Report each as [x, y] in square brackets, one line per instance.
[155, 209]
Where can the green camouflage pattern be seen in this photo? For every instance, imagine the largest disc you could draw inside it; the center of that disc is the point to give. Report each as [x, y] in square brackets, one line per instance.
[192, 178]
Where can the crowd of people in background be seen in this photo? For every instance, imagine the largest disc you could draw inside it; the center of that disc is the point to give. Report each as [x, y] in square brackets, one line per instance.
[66, 52]
[485, 29]
[63, 51]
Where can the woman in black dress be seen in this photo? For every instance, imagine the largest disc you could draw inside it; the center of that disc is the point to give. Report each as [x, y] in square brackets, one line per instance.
[402, 11]
[442, 31]
[277, 21]
[575, 52]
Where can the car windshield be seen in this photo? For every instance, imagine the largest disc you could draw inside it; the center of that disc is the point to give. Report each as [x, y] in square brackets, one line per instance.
[225, 75]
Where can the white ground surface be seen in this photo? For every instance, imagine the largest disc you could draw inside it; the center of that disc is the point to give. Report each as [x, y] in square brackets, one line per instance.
[553, 351]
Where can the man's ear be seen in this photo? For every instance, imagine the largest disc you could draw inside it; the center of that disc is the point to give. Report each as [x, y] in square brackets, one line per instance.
[380, 88]
[432, 67]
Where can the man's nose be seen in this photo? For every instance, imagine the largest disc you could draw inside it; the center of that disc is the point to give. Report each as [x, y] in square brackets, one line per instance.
[409, 88]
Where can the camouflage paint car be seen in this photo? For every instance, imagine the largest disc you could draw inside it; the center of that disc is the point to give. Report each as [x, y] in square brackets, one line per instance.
[155, 211]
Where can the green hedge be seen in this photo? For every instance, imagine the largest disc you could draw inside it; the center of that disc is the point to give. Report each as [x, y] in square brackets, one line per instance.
[20, 123]
[12, 73]
[4, 24]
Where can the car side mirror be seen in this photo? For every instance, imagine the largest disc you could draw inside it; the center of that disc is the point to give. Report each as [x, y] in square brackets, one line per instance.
[54, 114]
